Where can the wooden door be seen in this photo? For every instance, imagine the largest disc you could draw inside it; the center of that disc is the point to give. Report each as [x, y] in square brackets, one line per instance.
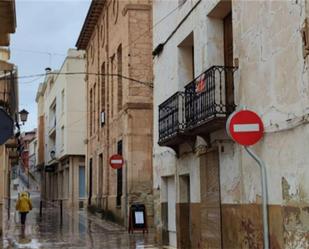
[211, 204]
[228, 61]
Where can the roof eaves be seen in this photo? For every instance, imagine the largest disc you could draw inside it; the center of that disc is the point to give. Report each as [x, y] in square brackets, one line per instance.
[92, 17]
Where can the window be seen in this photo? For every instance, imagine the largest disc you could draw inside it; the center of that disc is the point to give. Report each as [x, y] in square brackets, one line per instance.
[62, 137]
[101, 174]
[186, 60]
[119, 81]
[62, 101]
[82, 183]
[103, 82]
[67, 186]
[112, 85]
[93, 107]
[90, 113]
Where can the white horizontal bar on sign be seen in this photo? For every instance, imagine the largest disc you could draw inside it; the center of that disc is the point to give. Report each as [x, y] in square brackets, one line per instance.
[246, 127]
[116, 161]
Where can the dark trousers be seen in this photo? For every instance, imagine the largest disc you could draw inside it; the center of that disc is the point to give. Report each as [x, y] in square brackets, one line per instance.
[23, 216]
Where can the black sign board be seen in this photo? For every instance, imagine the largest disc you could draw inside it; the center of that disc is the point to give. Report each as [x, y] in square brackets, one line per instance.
[6, 126]
[137, 218]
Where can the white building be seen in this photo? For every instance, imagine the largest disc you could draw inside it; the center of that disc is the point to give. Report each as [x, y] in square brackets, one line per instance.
[210, 55]
[65, 131]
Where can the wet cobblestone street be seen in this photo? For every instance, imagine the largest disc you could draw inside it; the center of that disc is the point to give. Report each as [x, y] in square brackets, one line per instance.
[79, 229]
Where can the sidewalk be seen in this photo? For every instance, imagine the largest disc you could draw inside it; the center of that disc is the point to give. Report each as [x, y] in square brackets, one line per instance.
[79, 230]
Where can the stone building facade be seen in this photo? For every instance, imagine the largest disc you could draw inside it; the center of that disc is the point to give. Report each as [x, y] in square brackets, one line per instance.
[118, 42]
[210, 57]
[62, 113]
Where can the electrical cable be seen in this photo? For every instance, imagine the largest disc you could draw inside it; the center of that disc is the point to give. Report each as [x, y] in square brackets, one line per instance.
[150, 84]
[36, 51]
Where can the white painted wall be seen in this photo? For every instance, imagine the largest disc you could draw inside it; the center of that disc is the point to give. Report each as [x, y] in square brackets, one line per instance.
[72, 114]
[170, 75]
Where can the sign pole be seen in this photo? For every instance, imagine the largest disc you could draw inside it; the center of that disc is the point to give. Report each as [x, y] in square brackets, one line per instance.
[264, 194]
[246, 128]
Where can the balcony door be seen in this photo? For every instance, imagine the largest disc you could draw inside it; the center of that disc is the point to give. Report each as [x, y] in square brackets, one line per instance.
[228, 61]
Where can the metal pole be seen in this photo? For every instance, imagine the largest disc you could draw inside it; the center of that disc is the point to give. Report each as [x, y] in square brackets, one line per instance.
[264, 195]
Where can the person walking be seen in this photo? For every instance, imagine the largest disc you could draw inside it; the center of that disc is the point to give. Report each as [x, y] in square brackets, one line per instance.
[23, 206]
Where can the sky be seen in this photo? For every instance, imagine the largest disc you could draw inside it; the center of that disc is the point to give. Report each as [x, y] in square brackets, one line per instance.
[46, 29]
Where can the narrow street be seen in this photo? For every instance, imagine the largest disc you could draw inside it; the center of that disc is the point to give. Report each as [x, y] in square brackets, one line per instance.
[79, 229]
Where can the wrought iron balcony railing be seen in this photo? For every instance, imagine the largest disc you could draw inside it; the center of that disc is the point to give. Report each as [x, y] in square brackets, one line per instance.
[209, 96]
[203, 106]
[171, 117]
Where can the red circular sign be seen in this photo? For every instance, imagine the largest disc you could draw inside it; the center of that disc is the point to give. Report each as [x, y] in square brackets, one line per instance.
[116, 161]
[245, 127]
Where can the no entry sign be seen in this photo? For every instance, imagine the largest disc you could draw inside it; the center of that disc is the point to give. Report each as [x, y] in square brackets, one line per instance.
[116, 161]
[245, 127]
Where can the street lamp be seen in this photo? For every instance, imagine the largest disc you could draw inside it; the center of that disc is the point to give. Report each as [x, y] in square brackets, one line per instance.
[53, 155]
[23, 115]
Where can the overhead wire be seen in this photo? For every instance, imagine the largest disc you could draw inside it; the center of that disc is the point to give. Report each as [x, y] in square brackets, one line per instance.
[150, 84]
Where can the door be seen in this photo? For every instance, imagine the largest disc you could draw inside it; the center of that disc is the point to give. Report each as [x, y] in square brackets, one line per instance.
[210, 198]
[81, 182]
[171, 211]
[90, 182]
[119, 177]
[228, 61]
[100, 179]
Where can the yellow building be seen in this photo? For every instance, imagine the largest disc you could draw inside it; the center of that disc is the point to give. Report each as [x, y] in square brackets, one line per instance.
[8, 96]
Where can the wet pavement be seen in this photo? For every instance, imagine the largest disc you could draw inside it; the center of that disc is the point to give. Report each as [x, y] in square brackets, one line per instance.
[79, 229]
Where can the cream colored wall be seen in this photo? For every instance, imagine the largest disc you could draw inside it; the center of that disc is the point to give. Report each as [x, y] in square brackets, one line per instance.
[76, 111]
[73, 117]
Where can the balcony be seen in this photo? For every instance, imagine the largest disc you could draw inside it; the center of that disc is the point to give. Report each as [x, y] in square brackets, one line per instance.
[202, 108]
[209, 100]
[8, 91]
[171, 120]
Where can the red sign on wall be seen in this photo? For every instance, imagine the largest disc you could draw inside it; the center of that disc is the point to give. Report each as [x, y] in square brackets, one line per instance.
[116, 161]
[245, 127]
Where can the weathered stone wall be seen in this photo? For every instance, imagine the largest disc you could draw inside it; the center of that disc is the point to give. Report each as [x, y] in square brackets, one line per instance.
[272, 79]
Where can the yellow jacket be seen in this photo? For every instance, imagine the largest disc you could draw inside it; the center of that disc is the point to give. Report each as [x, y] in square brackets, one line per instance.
[23, 203]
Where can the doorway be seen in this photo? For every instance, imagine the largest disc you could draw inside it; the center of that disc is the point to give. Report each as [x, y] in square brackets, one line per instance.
[210, 201]
[171, 211]
[90, 182]
[184, 218]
